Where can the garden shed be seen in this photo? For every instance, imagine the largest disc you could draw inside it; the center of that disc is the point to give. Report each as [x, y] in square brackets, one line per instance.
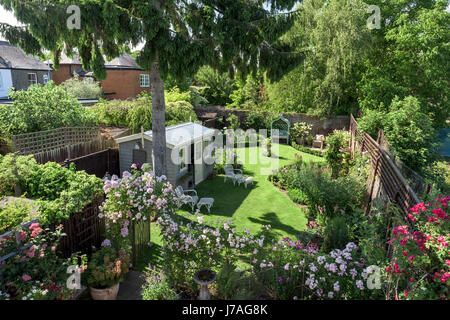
[186, 145]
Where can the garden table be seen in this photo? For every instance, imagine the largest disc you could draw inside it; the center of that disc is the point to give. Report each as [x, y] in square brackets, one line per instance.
[208, 202]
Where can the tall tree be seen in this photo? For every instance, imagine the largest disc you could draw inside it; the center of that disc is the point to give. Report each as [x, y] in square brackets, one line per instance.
[179, 36]
[411, 57]
[333, 36]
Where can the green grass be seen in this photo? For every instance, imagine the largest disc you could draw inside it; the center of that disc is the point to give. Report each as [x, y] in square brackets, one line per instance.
[250, 208]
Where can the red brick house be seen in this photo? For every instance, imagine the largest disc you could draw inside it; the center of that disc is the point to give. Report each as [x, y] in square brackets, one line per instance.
[124, 78]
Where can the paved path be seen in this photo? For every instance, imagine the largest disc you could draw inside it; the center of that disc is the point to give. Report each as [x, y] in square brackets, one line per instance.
[130, 289]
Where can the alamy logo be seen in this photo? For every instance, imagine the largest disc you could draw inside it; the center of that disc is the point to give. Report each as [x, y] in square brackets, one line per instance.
[373, 280]
[74, 280]
[74, 20]
[374, 21]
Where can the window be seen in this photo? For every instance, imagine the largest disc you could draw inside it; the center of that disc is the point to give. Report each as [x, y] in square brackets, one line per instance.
[145, 80]
[45, 77]
[182, 162]
[32, 79]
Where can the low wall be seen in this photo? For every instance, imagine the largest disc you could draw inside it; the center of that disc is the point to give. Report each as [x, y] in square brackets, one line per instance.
[325, 125]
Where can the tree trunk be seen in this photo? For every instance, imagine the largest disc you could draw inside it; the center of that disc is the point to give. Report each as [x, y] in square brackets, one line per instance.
[158, 120]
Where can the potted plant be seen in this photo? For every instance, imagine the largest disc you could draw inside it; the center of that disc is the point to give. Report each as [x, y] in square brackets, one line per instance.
[106, 269]
[309, 140]
[299, 131]
[267, 147]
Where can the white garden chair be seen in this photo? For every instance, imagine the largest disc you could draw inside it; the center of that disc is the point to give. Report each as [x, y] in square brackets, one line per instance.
[230, 173]
[183, 198]
[246, 181]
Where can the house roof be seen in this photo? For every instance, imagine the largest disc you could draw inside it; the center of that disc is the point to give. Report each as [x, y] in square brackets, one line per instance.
[177, 135]
[125, 61]
[67, 60]
[12, 57]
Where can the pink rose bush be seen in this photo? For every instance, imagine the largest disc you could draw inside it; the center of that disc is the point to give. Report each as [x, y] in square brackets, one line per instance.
[137, 197]
[35, 272]
[421, 253]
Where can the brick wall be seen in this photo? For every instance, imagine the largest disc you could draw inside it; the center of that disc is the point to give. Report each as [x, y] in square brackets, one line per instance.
[64, 72]
[123, 84]
[324, 125]
[119, 84]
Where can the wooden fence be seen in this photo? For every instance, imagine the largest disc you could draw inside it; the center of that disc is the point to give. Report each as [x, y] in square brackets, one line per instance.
[84, 230]
[60, 144]
[385, 172]
[99, 163]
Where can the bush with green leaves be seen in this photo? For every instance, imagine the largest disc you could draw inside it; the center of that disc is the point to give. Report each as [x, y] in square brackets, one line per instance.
[256, 120]
[304, 149]
[371, 122]
[137, 114]
[249, 94]
[233, 121]
[58, 191]
[410, 132]
[86, 88]
[336, 234]
[15, 213]
[175, 94]
[179, 112]
[217, 86]
[15, 173]
[42, 108]
[298, 196]
[334, 156]
[438, 173]
[300, 130]
[327, 197]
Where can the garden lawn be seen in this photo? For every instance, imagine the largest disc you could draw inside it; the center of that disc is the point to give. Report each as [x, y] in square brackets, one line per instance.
[251, 208]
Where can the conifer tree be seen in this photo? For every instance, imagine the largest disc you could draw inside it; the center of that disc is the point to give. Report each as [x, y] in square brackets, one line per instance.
[178, 37]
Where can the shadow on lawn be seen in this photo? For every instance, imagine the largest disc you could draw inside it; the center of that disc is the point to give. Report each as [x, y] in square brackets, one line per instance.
[272, 219]
[227, 197]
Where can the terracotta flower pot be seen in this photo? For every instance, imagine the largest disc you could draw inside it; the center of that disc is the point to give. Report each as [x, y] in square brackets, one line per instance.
[105, 294]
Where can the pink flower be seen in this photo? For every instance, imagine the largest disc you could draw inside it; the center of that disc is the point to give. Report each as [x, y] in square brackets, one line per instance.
[26, 277]
[22, 236]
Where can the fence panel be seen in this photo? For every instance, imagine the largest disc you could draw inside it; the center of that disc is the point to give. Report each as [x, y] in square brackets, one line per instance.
[98, 163]
[60, 144]
[392, 181]
[84, 230]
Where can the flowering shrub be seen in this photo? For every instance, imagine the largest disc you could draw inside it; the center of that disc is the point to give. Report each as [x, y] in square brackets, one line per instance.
[421, 262]
[156, 286]
[107, 267]
[138, 196]
[36, 272]
[190, 245]
[287, 269]
[292, 270]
